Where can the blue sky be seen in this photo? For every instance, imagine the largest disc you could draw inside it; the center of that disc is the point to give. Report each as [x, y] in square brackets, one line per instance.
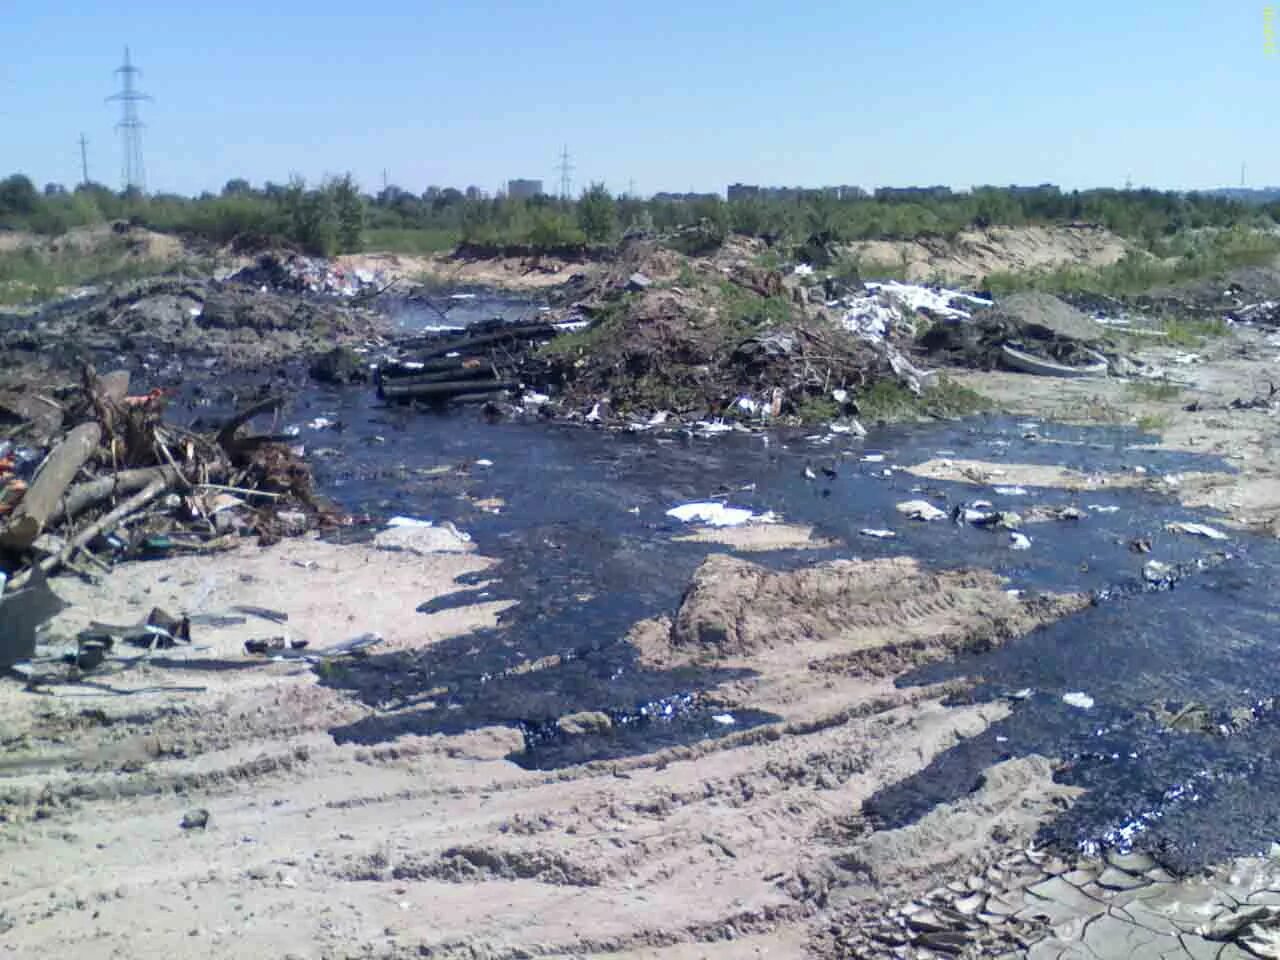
[672, 96]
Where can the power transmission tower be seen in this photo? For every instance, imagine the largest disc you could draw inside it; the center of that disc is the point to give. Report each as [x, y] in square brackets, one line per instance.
[84, 160]
[566, 171]
[130, 127]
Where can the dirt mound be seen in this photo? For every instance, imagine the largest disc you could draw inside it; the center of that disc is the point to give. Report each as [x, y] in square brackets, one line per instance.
[238, 326]
[694, 336]
[973, 254]
[887, 615]
[1036, 323]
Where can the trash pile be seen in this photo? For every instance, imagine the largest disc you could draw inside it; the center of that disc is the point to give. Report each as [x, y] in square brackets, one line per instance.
[702, 339]
[113, 481]
[891, 307]
[298, 274]
[1031, 332]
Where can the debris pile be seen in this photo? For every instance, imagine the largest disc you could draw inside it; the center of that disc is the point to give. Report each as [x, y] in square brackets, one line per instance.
[1032, 332]
[114, 481]
[298, 274]
[703, 339]
[172, 323]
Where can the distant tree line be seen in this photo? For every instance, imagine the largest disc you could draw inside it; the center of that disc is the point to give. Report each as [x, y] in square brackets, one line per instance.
[335, 216]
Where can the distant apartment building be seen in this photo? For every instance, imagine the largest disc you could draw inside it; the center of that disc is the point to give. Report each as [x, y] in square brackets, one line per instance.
[749, 191]
[684, 197]
[912, 193]
[524, 189]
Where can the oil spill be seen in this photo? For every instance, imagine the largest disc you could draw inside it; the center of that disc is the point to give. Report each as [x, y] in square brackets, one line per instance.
[585, 550]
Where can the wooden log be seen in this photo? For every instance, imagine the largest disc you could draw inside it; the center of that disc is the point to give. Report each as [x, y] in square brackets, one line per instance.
[41, 499]
[397, 371]
[104, 525]
[530, 332]
[227, 434]
[84, 495]
[444, 376]
[443, 391]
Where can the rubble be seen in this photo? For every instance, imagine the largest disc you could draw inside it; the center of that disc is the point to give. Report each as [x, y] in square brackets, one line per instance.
[122, 482]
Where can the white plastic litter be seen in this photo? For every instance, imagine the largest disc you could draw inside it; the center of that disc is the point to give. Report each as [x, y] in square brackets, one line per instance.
[1196, 530]
[711, 427]
[878, 534]
[407, 522]
[1078, 699]
[921, 510]
[873, 458]
[1019, 541]
[1011, 491]
[717, 514]
[724, 719]
[803, 270]
[320, 423]
[484, 463]
[534, 399]
[1099, 508]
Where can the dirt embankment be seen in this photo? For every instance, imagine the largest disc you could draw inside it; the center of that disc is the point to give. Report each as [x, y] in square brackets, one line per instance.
[974, 254]
[519, 274]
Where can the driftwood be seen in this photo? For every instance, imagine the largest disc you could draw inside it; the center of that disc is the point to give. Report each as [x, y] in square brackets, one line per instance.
[443, 391]
[227, 434]
[481, 372]
[84, 495]
[107, 523]
[57, 473]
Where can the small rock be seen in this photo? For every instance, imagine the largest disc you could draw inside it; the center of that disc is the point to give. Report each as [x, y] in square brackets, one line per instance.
[588, 721]
[195, 820]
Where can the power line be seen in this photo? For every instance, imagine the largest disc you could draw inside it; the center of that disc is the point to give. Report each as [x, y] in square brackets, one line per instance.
[84, 160]
[566, 171]
[133, 175]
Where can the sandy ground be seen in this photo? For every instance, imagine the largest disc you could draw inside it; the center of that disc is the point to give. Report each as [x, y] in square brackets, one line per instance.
[522, 275]
[973, 254]
[753, 844]
[441, 846]
[1238, 367]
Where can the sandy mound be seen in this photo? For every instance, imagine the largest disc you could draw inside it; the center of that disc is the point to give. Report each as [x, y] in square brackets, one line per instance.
[973, 254]
[882, 616]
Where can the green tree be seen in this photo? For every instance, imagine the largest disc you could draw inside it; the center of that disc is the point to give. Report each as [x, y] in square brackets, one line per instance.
[312, 222]
[18, 195]
[348, 206]
[597, 214]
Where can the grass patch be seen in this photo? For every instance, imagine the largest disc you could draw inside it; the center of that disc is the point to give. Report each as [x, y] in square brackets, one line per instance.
[29, 276]
[1153, 423]
[604, 326]
[889, 401]
[1147, 390]
[1192, 333]
[409, 241]
[1203, 257]
[817, 410]
[745, 311]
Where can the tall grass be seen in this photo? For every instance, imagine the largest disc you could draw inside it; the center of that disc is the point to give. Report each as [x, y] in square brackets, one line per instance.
[410, 241]
[1201, 257]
